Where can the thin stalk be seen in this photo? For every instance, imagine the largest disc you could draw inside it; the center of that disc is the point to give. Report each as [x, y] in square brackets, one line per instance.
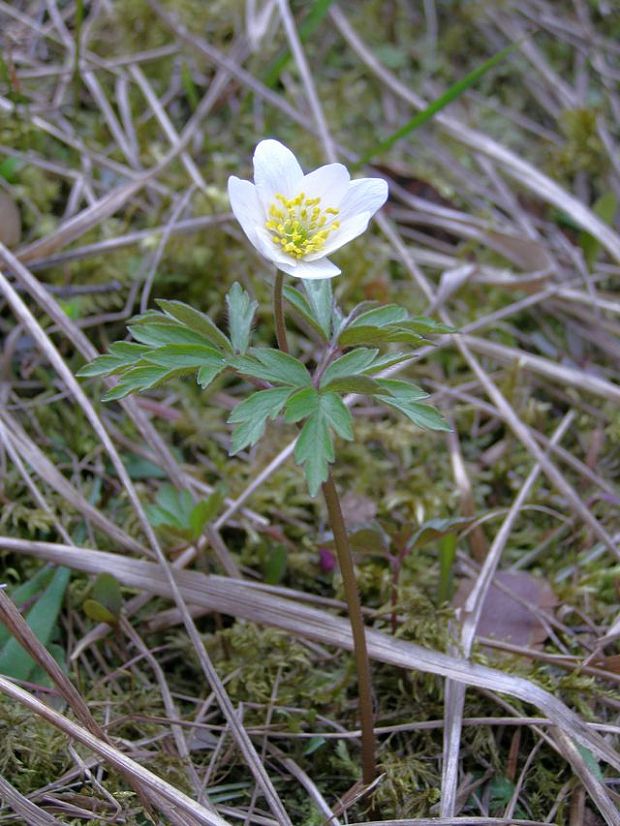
[278, 313]
[362, 663]
[345, 560]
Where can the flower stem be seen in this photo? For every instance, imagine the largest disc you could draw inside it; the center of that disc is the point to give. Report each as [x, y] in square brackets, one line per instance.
[278, 313]
[362, 663]
[345, 560]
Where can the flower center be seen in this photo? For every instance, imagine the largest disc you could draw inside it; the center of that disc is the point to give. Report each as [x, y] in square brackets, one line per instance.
[300, 225]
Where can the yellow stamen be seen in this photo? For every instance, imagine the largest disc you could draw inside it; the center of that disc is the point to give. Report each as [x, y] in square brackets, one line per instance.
[299, 225]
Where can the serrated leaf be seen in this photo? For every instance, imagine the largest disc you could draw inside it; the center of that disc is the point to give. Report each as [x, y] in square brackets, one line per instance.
[361, 384]
[251, 416]
[402, 390]
[128, 349]
[196, 321]
[422, 324]
[350, 364]
[352, 336]
[301, 404]
[380, 316]
[207, 373]
[104, 365]
[300, 303]
[241, 311]
[15, 662]
[314, 450]
[117, 359]
[191, 356]
[140, 378]
[321, 300]
[422, 415]
[366, 334]
[338, 415]
[273, 365]
[385, 361]
[153, 317]
[159, 335]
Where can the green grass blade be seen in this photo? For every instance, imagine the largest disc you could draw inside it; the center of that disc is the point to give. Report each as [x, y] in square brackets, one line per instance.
[451, 94]
[307, 27]
[14, 661]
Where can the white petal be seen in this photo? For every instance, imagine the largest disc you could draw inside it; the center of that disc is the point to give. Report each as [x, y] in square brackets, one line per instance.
[245, 205]
[276, 170]
[329, 183]
[363, 195]
[347, 232]
[263, 243]
[311, 269]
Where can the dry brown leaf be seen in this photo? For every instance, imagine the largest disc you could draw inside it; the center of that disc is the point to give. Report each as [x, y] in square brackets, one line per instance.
[505, 616]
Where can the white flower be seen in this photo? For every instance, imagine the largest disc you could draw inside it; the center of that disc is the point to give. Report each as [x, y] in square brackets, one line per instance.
[297, 220]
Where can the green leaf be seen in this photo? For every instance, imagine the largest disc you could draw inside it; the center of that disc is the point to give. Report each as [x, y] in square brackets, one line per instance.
[241, 311]
[196, 321]
[451, 94]
[402, 390]
[424, 325]
[205, 511]
[25, 592]
[106, 601]
[363, 385]
[350, 364]
[15, 662]
[251, 416]
[207, 373]
[159, 334]
[98, 612]
[140, 468]
[385, 361]
[302, 404]
[422, 415]
[337, 414]
[140, 378]
[314, 743]
[447, 555]
[314, 450]
[273, 365]
[321, 300]
[172, 508]
[116, 360]
[370, 334]
[301, 304]
[275, 565]
[380, 316]
[190, 356]
[176, 510]
[591, 762]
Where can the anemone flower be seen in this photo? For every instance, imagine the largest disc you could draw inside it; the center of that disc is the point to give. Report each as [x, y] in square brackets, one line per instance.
[297, 220]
